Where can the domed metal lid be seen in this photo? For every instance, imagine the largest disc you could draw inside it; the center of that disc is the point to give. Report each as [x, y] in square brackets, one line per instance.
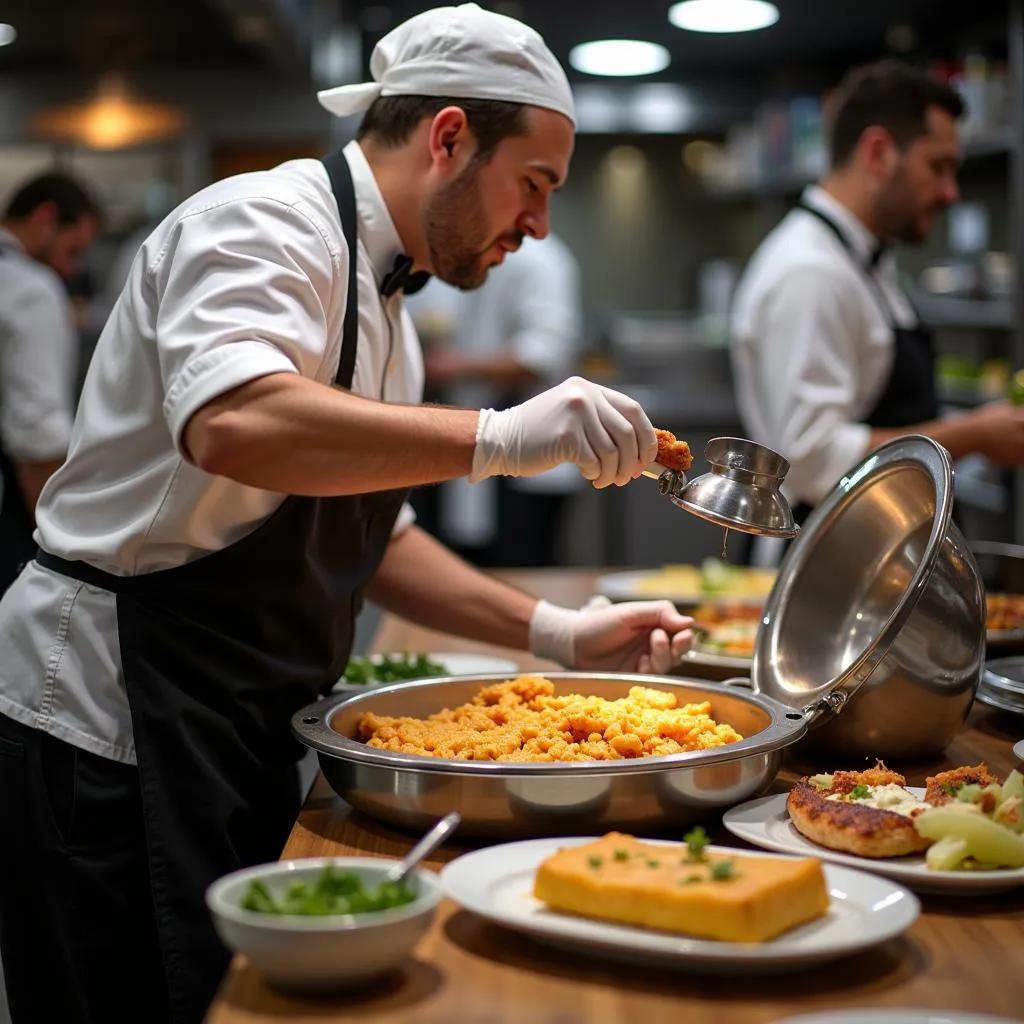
[850, 582]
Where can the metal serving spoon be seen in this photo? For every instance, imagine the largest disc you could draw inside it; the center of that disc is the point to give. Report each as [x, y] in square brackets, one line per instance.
[433, 839]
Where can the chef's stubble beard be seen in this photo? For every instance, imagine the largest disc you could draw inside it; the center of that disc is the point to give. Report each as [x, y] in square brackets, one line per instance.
[898, 213]
[456, 231]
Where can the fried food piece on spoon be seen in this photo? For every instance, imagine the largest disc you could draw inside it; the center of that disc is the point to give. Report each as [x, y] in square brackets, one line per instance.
[673, 453]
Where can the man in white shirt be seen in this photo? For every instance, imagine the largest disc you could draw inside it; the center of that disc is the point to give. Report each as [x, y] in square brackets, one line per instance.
[248, 432]
[50, 221]
[830, 357]
[517, 334]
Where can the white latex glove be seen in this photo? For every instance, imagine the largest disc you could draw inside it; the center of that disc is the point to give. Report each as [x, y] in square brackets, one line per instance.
[637, 636]
[604, 432]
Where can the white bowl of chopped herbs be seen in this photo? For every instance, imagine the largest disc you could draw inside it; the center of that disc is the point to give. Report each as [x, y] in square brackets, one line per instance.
[322, 924]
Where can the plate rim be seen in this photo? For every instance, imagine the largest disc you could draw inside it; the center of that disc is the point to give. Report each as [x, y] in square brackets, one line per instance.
[912, 876]
[711, 951]
[998, 701]
[616, 593]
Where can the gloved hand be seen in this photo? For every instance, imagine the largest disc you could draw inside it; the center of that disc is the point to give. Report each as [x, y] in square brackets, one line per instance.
[604, 432]
[637, 636]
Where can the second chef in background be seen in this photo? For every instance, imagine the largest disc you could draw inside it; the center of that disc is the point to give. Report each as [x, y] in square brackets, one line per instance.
[831, 359]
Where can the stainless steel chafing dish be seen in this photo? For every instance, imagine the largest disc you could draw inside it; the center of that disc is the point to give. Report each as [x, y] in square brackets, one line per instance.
[498, 798]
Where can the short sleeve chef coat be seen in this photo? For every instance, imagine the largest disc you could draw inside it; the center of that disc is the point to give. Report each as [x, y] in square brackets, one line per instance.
[245, 279]
[812, 349]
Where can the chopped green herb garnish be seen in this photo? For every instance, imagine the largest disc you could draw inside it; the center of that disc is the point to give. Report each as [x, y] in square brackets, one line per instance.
[621, 855]
[723, 870]
[391, 668]
[690, 879]
[860, 792]
[653, 863]
[595, 861]
[333, 892]
[949, 789]
[696, 839]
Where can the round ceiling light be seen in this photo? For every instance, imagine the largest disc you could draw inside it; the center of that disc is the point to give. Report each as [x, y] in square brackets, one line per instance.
[723, 15]
[621, 58]
[8, 33]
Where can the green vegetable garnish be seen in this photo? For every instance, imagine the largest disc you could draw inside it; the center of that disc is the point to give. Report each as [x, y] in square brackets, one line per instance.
[821, 781]
[333, 892]
[723, 871]
[391, 669]
[653, 863]
[595, 861]
[689, 880]
[696, 839]
[621, 855]
[860, 792]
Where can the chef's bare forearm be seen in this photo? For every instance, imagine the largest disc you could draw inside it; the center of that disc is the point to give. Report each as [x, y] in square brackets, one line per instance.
[31, 478]
[423, 581]
[289, 434]
[957, 435]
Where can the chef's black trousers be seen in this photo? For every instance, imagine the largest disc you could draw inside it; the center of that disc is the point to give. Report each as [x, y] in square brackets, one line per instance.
[78, 937]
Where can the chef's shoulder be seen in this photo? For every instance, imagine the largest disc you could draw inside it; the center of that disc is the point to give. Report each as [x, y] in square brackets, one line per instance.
[27, 285]
[794, 261]
[287, 209]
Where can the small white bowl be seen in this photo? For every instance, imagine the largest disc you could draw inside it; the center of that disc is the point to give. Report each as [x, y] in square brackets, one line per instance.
[317, 954]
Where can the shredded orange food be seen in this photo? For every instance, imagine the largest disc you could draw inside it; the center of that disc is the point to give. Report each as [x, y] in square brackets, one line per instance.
[523, 720]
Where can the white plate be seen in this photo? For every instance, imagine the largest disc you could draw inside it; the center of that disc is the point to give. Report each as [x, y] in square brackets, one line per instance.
[1018, 750]
[456, 664]
[622, 586]
[894, 1016]
[765, 822]
[497, 883]
[733, 662]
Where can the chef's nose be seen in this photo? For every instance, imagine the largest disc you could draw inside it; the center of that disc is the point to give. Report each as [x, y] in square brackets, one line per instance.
[534, 223]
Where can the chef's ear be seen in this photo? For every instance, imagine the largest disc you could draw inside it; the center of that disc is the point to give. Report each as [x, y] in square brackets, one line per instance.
[878, 152]
[450, 140]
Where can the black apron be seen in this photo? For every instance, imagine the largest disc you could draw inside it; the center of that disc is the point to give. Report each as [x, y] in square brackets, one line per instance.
[909, 396]
[217, 655]
[17, 522]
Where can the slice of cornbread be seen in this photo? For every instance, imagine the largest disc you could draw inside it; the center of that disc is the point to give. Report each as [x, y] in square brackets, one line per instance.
[618, 878]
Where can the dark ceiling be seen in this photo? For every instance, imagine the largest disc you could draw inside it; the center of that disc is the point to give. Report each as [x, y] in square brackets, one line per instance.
[826, 33]
[94, 34]
[101, 34]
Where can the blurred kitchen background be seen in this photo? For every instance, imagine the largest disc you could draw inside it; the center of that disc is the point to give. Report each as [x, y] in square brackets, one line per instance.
[677, 176]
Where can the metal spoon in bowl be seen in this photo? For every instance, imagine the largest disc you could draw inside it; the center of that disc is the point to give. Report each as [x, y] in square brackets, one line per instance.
[433, 839]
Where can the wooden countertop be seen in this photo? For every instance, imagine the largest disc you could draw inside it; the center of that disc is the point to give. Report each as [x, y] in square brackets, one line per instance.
[963, 953]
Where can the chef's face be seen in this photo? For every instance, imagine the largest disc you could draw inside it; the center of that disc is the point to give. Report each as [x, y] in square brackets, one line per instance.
[60, 246]
[923, 181]
[473, 220]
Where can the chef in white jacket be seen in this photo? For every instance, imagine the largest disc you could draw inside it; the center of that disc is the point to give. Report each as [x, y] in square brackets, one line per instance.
[247, 436]
[831, 358]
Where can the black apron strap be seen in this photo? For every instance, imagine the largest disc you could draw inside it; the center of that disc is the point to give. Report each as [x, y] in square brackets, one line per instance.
[883, 302]
[344, 192]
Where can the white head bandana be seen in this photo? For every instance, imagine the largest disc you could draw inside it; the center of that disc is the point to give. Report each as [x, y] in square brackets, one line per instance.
[463, 52]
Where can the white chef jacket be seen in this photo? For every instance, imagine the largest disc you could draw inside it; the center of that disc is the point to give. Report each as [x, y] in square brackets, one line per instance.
[812, 343]
[38, 357]
[530, 308]
[245, 279]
